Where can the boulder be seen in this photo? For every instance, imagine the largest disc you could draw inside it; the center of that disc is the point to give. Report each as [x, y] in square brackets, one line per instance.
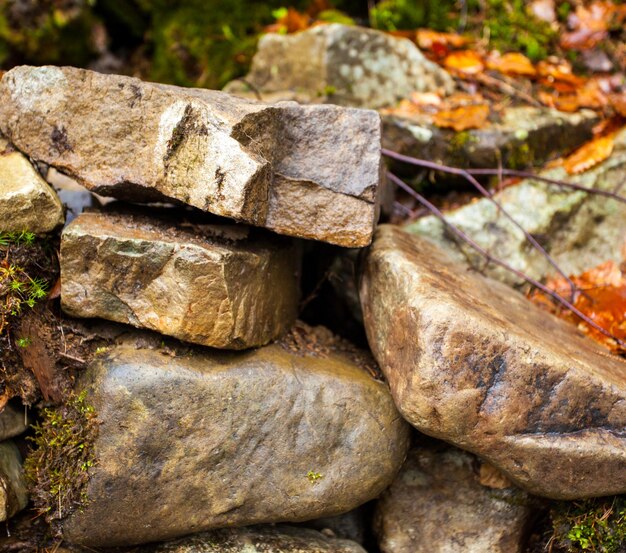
[27, 203]
[307, 171]
[521, 137]
[13, 492]
[474, 363]
[198, 440]
[341, 64]
[257, 539]
[215, 285]
[12, 422]
[578, 229]
[437, 504]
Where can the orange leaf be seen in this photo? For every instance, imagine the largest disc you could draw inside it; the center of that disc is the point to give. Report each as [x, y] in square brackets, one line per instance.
[559, 72]
[512, 64]
[589, 155]
[464, 62]
[427, 39]
[618, 102]
[462, 118]
[292, 22]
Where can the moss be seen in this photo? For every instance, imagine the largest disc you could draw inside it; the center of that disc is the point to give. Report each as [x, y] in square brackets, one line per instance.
[57, 469]
[520, 156]
[462, 139]
[393, 15]
[597, 525]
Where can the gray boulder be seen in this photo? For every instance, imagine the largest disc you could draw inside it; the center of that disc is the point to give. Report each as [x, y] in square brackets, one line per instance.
[13, 492]
[12, 422]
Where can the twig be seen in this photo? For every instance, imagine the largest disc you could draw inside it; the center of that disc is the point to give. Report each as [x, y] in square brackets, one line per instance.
[460, 234]
[72, 358]
[505, 87]
[489, 196]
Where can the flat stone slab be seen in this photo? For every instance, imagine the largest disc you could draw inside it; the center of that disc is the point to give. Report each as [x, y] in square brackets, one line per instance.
[439, 503]
[307, 171]
[257, 539]
[342, 64]
[522, 137]
[13, 492]
[27, 203]
[205, 439]
[579, 230]
[472, 362]
[213, 285]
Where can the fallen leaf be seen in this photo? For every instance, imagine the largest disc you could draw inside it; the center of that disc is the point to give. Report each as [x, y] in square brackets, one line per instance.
[428, 39]
[512, 64]
[291, 22]
[589, 155]
[464, 62]
[618, 103]
[463, 117]
[558, 72]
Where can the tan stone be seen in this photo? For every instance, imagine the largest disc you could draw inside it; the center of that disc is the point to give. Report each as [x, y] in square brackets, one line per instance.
[12, 422]
[13, 493]
[214, 285]
[237, 158]
[474, 363]
[199, 440]
[27, 203]
[437, 504]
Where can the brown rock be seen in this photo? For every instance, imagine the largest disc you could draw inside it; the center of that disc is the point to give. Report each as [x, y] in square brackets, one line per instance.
[12, 422]
[13, 493]
[472, 362]
[308, 171]
[201, 440]
[213, 286]
[438, 505]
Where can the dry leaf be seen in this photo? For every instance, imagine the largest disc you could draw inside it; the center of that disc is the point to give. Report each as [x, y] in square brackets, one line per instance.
[464, 62]
[463, 117]
[618, 103]
[558, 72]
[589, 155]
[292, 22]
[429, 39]
[512, 64]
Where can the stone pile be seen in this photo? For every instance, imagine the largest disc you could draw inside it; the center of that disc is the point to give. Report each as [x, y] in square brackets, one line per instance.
[220, 414]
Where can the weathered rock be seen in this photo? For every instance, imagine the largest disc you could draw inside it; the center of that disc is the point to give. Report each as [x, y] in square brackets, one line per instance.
[472, 362]
[353, 525]
[27, 203]
[341, 64]
[214, 439]
[215, 285]
[523, 136]
[257, 539]
[13, 493]
[308, 171]
[12, 422]
[579, 230]
[437, 504]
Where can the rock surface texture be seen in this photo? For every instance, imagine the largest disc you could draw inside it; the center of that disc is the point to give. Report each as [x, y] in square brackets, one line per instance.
[27, 203]
[437, 504]
[473, 363]
[579, 230]
[13, 493]
[308, 171]
[523, 136]
[344, 65]
[216, 286]
[12, 422]
[206, 440]
[257, 539]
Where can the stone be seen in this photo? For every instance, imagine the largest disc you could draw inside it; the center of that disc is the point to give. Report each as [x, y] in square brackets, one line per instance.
[257, 539]
[200, 440]
[353, 525]
[577, 229]
[27, 203]
[523, 136]
[437, 504]
[12, 422]
[13, 492]
[472, 362]
[215, 285]
[308, 171]
[341, 64]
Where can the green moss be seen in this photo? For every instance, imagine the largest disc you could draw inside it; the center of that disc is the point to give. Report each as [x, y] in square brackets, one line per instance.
[57, 469]
[393, 15]
[597, 525]
[520, 156]
[462, 139]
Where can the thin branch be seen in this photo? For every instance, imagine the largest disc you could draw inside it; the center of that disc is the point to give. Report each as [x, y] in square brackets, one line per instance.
[460, 234]
[489, 196]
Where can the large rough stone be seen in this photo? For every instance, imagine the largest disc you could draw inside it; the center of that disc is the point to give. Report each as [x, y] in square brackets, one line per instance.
[472, 362]
[579, 230]
[342, 64]
[214, 285]
[257, 539]
[12, 422]
[437, 504]
[13, 493]
[27, 203]
[522, 136]
[308, 171]
[206, 440]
